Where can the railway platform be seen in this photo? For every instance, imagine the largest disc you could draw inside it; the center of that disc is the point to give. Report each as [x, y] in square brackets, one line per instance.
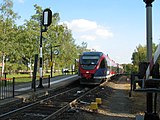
[24, 92]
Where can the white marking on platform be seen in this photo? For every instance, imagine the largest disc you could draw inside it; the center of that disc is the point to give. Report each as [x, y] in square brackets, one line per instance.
[23, 89]
[57, 81]
[53, 82]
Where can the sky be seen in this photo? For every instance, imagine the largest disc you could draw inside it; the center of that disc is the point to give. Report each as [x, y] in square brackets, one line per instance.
[114, 27]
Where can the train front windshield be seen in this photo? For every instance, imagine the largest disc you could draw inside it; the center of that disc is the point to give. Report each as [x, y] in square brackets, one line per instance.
[89, 62]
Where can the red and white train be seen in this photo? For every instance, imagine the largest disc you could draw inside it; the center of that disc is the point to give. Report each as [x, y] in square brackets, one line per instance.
[95, 67]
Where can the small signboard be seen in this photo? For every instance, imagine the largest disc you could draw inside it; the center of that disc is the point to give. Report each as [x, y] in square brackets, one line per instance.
[56, 52]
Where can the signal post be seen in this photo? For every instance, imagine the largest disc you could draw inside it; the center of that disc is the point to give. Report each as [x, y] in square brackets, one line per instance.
[46, 21]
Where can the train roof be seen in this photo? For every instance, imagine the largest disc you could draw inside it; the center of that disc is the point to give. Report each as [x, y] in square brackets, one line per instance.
[93, 53]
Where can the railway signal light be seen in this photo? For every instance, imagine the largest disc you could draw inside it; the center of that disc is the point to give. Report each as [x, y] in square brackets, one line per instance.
[46, 21]
[47, 17]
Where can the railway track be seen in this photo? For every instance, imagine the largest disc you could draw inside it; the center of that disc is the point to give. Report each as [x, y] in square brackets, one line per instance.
[48, 107]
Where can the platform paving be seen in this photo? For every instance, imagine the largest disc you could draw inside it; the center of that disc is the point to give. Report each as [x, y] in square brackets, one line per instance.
[24, 91]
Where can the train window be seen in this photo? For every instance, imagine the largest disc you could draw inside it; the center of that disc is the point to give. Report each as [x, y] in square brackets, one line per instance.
[106, 64]
[103, 63]
[89, 60]
[88, 67]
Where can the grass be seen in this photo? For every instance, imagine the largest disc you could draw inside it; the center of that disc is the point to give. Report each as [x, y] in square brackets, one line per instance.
[23, 78]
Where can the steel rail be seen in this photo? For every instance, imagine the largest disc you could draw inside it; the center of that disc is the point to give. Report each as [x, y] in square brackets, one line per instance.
[32, 104]
[66, 107]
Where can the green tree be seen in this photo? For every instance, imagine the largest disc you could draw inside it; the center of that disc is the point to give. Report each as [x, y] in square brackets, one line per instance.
[20, 43]
[129, 68]
[139, 55]
[7, 22]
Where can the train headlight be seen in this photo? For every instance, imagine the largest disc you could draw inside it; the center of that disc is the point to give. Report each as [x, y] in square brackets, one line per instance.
[87, 71]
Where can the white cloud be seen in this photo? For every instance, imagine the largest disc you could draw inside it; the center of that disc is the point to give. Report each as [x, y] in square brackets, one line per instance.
[88, 37]
[82, 25]
[94, 34]
[103, 32]
[88, 30]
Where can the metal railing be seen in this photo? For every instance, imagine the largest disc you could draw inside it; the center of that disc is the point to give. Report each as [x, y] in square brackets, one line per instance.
[7, 87]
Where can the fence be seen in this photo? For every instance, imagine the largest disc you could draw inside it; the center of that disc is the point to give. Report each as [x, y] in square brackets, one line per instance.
[9, 86]
[6, 87]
